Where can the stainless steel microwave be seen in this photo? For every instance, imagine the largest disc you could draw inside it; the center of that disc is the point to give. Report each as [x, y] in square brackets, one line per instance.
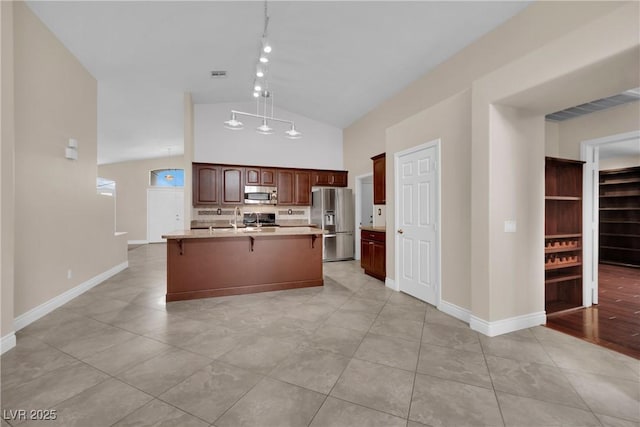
[256, 195]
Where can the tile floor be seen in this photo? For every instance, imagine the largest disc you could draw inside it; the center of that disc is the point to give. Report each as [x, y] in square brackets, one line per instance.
[351, 353]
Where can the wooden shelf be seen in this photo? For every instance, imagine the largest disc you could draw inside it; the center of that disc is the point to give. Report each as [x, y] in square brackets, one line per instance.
[562, 278]
[559, 266]
[620, 181]
[565, 249]
[621, 209]
[610, 196]
[620, 235]
[565, 198]
[615, 221]
[562, 236]
[618, 248]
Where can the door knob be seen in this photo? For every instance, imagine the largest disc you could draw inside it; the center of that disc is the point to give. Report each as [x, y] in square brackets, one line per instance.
[400, 231]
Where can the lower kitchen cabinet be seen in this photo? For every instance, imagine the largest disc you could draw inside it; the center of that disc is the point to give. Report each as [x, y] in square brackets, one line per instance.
[373, 253]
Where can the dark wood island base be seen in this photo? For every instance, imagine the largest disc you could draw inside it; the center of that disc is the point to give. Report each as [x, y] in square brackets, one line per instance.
[202, 266]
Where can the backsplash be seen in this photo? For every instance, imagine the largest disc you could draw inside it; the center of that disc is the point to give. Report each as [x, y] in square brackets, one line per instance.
[298, 213]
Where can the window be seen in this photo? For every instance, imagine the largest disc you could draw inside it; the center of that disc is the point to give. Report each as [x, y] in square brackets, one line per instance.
[106, 187]
[166, 178]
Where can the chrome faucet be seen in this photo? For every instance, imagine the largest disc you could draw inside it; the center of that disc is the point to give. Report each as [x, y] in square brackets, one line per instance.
[234, 222]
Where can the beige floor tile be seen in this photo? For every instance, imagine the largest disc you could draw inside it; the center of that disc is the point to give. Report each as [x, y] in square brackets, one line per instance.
[273, 403]
[451, 336]
[376, 386]
[101, 405]
[338, 413]
[260, 355]
[390, 351]
[611, 396]
[339, 340]
[51, 388]
[398, 327]
[362, 304]
[84, 347]
[159, 414]
[523, 411]
[456, 365]
[534, 380]
[358, 320]
[438, 402]
[433, 315]
[160, 373]
[209, 392]
[30, 359]
[123, 356]
[608, 421]
[314, 369]
[515, 347]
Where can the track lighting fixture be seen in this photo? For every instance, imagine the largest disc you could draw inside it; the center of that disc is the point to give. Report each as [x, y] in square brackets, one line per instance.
[262, 94]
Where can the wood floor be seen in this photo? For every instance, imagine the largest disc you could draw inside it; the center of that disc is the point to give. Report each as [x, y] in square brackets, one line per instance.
[615, 321]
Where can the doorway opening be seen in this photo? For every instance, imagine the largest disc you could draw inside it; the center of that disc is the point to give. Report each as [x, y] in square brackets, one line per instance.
[364, 206]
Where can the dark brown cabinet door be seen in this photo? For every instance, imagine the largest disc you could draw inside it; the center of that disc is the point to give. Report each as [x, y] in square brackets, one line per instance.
[285, 187]
[268, 176]
[232, 188]
[379, 171]
[321, 178]
[372, 253]
[339, 179]
[206, 180]
[252, 176]
[302, 188]
[366, 250]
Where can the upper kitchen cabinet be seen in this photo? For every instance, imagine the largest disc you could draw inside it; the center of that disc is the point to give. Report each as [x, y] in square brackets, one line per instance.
[232, 185]
[329, 178]
[379, 172]
[294, 187]
[206, 181]
[302, 193]
[260, 176]
[285, 183]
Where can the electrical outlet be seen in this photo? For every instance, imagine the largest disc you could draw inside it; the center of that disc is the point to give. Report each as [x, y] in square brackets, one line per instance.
[69, 274]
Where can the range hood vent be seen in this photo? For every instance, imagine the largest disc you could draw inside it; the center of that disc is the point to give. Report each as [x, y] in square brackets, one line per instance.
[593, 106]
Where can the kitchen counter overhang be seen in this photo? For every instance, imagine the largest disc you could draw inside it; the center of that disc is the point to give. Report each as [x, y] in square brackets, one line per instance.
[219, 262]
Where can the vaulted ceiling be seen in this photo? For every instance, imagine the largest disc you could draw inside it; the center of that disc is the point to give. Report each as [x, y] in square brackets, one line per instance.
[331, 61]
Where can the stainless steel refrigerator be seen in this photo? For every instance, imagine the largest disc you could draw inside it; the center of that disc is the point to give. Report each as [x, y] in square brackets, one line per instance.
[332, 209]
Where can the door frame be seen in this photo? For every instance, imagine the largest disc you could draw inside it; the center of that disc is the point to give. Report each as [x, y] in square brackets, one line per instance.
[161, 189]
[589, 152]
[358, 211]
[437, 143]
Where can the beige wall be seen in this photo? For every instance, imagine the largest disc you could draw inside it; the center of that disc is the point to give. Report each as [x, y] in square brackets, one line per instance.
[591, 68]
[61, 222]
[7, 202]
[540, 23]
[552, 138]
[188, 156]
[620, 162]
[504, 147]
[132, 181]
[621, 119]
[450, 122]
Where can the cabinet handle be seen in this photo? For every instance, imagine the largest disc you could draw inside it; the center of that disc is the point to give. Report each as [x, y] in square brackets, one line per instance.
[400, 231]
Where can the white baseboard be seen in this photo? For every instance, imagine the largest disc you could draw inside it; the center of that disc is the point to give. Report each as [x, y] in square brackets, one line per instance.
[390, 283]
[7, 342]
[505, 326]
[455, 311]
[137, 242]
[47, 307]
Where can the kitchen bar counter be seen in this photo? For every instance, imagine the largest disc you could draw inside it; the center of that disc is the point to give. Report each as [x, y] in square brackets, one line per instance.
[203, 263]
[225, 224]
[380, 228]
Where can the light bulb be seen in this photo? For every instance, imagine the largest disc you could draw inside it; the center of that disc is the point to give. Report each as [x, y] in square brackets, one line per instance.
[257, 88]
[264, 129]
[266, 47]
[233, 124]
[293, 133]
[259, 73]
[264, 59]
[256, 94]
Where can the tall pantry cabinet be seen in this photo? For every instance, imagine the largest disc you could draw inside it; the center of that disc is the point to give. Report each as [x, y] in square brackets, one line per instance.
[563, 234]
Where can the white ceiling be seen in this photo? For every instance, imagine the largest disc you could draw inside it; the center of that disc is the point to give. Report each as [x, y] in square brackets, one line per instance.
[331, 61]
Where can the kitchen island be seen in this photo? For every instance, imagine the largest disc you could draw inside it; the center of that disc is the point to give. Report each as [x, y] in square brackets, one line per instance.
[218, 262]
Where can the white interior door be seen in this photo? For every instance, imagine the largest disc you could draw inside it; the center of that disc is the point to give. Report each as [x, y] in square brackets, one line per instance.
[417, 219]
[165, 212]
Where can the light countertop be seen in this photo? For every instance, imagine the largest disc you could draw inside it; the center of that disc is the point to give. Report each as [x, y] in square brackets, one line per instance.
[225, 224]
[378, 228]
[245, 231]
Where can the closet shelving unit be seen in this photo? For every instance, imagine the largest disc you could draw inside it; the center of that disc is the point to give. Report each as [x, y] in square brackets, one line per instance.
[563, 234]
[620, 217]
